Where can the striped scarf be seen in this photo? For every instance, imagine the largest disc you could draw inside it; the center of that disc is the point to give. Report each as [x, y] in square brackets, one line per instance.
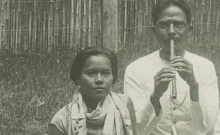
[112, 112]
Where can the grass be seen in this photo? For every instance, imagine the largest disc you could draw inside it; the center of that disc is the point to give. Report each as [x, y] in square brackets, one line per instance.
[33, 87]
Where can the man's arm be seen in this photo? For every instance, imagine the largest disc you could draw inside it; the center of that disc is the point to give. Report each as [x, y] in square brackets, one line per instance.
[145, 113]
[205, 109]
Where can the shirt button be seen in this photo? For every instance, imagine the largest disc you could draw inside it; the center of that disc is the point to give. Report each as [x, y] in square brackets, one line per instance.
[174, 108]
[174, 121]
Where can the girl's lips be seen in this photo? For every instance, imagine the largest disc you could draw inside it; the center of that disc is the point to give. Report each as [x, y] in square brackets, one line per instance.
[99, 89]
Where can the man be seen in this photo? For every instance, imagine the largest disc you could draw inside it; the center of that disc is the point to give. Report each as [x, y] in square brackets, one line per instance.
[216, 130]
[148, 80]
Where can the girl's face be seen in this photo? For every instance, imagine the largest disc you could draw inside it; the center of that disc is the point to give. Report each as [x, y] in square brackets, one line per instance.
[96, 78]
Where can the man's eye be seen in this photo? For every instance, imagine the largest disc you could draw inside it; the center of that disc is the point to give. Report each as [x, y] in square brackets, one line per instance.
[179, 24]
[163, 24]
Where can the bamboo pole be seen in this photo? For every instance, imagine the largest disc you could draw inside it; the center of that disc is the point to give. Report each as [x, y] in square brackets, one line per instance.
[83, 23]
[86, 14]
[95, 37]
[110, 24]
[128, 29]
[56, 25]
[125, 23]
[101, 20]
[119, 27]
[50, 31]
[63, 29]
[71, 24]
[77, 25]
[132, 16]
[90, 24]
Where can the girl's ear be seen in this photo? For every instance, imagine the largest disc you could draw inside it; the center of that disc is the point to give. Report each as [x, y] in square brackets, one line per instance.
[153, 29]
[77, 82]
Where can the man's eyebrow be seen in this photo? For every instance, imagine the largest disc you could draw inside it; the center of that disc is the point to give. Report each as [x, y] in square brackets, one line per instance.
[172, 18]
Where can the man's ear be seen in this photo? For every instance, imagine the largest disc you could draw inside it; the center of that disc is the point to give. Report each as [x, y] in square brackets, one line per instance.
[190, 30]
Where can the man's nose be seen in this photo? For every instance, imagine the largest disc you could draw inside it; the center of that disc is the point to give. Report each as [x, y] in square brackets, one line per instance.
[98, 79]
[171, 31]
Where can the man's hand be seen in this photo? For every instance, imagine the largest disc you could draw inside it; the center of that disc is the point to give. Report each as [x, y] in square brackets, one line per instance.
[162, 80]
[185, 70]
[161, 83]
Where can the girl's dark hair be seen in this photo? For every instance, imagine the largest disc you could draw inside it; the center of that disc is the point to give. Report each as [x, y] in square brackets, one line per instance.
[161, 5]
[83, 55]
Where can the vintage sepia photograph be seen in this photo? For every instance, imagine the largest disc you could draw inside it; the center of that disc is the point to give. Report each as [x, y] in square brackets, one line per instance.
[109, 67]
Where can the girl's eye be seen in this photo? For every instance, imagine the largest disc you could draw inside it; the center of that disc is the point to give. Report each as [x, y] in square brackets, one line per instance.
[90, 73]
[107, 73]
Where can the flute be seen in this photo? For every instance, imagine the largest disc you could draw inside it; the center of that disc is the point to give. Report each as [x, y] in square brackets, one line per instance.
[172, 54]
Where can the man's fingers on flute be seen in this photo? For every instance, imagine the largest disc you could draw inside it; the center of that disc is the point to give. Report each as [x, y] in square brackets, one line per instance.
[177, 57]
[167, 79]
[167, 70]
[186, 71]
[180, 59]
[165, 76]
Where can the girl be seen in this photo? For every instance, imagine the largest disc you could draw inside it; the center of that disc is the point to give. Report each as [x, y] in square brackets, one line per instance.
[94, 109]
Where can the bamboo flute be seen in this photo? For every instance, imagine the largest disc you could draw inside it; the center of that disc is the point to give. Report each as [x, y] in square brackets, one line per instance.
[172, 54]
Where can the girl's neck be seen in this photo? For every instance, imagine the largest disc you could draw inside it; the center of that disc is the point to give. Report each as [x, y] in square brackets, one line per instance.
[90, 103]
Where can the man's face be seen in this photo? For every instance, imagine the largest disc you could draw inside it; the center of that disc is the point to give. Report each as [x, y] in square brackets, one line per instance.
[176, 16]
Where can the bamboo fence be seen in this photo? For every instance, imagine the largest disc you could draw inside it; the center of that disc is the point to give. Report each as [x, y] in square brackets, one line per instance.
[135, 23]
[68, 25]
[49, 25]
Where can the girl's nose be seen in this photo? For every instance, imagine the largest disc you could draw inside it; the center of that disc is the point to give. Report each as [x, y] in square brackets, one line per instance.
[98, 79]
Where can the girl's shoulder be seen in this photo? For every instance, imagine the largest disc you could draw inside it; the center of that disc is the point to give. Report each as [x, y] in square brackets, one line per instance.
[123, 97]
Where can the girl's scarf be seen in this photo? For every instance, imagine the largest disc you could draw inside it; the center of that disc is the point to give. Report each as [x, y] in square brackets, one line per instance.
[112, 112]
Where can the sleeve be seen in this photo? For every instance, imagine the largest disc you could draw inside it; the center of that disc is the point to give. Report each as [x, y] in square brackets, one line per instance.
[216, 130]
[217, 127]
[144, 110]
[60, 120]
[204, 113]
